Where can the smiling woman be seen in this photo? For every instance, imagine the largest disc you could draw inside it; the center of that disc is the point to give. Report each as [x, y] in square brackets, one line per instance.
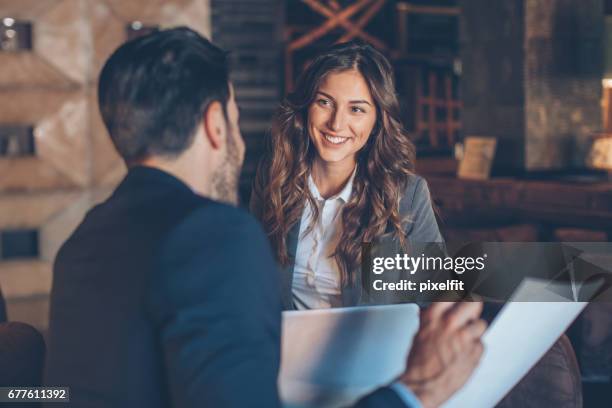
[338, 172]
[340, 122]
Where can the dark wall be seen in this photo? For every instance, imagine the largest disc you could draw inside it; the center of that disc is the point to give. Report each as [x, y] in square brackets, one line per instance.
[532, 73]
[492, 55]
[251, 30]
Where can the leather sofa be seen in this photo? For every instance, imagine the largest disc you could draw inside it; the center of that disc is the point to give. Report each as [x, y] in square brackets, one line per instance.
[22, 352]
[553, 382]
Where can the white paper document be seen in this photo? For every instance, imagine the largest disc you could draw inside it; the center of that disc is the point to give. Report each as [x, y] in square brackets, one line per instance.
[332, 357]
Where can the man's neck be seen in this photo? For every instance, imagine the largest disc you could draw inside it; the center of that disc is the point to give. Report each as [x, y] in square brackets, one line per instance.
[330, 178]
[184, 170]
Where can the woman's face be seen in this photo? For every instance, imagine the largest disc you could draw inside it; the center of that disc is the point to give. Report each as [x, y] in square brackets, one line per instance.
[341, 117]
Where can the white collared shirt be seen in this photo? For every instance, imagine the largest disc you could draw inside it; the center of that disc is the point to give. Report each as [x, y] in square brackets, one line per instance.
[316, 276]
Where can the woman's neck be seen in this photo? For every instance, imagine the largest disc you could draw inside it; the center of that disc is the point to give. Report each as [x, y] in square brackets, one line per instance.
[330, 178]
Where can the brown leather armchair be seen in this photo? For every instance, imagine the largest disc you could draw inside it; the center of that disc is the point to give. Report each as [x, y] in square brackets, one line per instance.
[22, 352]
[553, 382]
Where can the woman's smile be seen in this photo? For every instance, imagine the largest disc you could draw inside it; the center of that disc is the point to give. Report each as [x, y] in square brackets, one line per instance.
[335, 140]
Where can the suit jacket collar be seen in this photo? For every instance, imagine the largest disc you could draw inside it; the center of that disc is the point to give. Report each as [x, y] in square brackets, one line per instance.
[287, 272]
[143, 177]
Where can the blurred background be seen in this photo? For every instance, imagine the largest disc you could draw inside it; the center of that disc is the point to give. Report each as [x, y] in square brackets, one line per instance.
[534, 75]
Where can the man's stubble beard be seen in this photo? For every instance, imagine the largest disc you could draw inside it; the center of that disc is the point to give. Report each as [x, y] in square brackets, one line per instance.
[227, 176]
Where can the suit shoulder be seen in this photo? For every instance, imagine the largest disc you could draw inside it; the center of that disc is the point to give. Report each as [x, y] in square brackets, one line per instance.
[219, 215]
[416, 184]
[215, 246]
[216, 226]
[415, 193]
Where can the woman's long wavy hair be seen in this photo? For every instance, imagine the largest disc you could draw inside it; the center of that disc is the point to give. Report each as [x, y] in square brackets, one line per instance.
[385, 163]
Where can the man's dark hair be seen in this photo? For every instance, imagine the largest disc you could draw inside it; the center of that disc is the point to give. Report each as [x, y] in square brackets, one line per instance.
[154, 90]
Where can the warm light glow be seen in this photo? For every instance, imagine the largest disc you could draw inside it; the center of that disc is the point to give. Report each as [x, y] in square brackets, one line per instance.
[607, 82]
[8, 22]
[600, 156]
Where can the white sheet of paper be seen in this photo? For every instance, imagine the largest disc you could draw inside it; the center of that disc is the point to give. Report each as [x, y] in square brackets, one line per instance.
[331, 357]
[515, 342]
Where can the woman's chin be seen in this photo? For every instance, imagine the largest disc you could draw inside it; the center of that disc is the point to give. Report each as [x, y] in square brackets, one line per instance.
[333, 157]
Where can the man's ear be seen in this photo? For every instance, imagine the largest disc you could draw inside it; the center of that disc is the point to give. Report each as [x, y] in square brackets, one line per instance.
[214, 124]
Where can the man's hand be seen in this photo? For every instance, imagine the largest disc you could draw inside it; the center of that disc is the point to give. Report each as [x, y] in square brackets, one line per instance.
[445, 351]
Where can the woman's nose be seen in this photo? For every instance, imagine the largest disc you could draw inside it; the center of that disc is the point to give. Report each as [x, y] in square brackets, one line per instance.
[336, 120]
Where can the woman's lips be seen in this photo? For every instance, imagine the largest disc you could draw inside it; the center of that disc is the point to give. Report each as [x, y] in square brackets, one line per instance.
[335, 140]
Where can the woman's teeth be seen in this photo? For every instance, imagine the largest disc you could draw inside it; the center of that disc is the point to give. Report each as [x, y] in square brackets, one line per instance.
[335, 139]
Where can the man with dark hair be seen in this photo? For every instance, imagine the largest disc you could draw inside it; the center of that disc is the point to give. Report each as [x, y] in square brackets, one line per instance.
[152, 94]
[165, 296]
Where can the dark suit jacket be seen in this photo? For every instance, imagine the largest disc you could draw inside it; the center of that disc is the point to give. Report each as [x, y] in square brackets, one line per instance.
[163, 298]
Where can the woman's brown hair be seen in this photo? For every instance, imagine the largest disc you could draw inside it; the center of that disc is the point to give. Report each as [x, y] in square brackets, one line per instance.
[384, 164]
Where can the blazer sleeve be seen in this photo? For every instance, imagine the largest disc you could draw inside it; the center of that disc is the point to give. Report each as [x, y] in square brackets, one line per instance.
[422, 225]
[214, 300]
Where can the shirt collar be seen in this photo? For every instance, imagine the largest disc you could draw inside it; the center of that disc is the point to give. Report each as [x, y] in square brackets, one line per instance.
[344, 194]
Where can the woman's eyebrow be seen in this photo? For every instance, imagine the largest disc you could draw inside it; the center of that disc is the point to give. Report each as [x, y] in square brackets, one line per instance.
[361, 101]
[354, 101]
[328, 96]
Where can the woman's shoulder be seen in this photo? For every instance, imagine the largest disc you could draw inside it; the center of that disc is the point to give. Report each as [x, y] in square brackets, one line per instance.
[416, 207]
[415, 194]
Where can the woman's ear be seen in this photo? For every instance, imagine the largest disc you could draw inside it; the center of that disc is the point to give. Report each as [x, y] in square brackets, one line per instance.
[215, 125]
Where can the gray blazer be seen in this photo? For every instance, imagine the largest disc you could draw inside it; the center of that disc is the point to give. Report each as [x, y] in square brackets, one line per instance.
[415, 206]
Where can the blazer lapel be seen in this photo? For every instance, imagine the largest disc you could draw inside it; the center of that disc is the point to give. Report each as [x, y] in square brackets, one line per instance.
[287, 271]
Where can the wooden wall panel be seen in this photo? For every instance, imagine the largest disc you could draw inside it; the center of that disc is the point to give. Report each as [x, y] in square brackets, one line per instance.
[62, 36]
[21, 211]
[26, 9]
[62, 140]
[25, 278]
[52, 88]
[19, 175]
[61, 133]
[251, 30]
[59, 44]
[29, 105]
[54, 216]
[30, 70]
[108, 32]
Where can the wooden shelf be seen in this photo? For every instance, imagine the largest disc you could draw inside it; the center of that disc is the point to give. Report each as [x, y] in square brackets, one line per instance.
[562, 204]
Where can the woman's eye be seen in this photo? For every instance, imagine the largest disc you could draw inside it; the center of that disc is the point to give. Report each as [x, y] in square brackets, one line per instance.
[323, 102]
[356, 109]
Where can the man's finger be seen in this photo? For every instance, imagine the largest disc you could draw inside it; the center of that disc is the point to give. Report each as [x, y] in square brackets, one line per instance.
[476, 353]
[436, 310]
[472, 332]
[462, 314]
